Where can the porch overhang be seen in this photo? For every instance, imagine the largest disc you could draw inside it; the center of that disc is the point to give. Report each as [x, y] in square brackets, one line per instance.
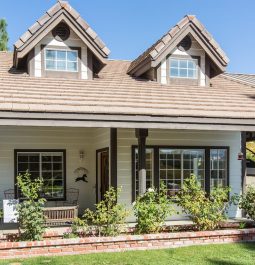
[125, 121]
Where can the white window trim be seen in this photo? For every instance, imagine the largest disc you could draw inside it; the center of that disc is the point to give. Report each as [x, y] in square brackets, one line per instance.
[56, 70]
[183, 59]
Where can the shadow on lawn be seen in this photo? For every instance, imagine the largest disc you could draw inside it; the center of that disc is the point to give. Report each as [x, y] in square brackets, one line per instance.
[244, 246]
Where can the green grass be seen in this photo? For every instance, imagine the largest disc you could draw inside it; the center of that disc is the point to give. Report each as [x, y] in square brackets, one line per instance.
[229, 254]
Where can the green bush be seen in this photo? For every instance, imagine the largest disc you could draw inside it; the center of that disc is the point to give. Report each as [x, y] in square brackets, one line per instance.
[30, 209]
[1, 213]
[109, 216]
[151, 210]
[247, 202]
[79, 228]
[206, 211]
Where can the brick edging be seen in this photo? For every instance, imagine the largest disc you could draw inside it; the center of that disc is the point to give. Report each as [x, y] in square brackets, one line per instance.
[122, 243]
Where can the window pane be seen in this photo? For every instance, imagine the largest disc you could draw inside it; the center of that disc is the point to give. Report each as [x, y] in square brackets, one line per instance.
[191, 65]
[183, 73]
[191, 73]
[50, 55]
[50, 65]
[61, 65]
[71, 66]
[174, 72]
[61, 55]
[149, 169]
[174, 63]
[72, 56]
[218, 170]
[183, 64]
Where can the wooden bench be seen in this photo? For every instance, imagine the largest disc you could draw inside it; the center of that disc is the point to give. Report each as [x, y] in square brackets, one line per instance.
[60, 215]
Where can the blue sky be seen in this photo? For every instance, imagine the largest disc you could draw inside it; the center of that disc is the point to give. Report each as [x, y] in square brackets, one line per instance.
[128, 27]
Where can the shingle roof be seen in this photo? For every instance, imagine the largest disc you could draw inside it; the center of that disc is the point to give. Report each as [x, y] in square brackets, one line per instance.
[115, 92]
[243, 78]
[58, 8]
[156, 48]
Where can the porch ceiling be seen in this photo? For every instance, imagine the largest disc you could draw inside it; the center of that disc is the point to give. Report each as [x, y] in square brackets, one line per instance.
[124, 121]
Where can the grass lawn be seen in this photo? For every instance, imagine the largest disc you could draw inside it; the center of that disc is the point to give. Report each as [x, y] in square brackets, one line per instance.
[229, 254]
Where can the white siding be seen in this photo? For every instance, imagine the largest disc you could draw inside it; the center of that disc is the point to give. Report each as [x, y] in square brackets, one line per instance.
[126, 138]
[71, 139]
[72, 41]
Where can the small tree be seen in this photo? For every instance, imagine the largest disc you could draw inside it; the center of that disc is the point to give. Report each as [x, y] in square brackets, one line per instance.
[206, 211]
[30, 209]
[151, 210]
[247, 202]
[109, 216]
[3, 35]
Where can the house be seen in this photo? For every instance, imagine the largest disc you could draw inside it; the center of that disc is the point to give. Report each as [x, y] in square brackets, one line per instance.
[66, 108]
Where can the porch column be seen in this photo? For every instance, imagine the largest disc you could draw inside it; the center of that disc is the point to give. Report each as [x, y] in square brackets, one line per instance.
[243, 150]
[141, 135]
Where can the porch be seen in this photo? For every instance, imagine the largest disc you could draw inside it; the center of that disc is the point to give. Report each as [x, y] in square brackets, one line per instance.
[171, 155]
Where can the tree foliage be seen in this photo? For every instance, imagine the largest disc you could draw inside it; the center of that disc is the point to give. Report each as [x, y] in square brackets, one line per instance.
[3, 35]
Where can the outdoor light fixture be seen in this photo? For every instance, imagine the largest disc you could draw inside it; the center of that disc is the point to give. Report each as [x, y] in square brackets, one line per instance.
[240, 156]
[81, 155]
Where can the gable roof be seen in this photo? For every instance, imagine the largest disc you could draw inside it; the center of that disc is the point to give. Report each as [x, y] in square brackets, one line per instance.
[189, 24]
[248, 79]
[61, 11]
[115, 93]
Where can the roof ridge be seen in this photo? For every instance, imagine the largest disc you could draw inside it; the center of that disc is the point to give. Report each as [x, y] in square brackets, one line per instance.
[237, 80]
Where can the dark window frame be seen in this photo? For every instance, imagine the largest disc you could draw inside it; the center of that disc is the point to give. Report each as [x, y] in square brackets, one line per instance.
[16, 151]
[156, 163]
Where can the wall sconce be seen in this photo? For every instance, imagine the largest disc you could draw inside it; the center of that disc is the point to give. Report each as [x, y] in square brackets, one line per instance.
[81, 155]
[240, 156]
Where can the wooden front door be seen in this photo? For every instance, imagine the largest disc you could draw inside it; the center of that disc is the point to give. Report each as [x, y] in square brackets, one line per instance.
[102, 173]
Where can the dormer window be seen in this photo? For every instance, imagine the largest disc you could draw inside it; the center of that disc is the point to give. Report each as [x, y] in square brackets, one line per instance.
[183, 68]
[61, 60]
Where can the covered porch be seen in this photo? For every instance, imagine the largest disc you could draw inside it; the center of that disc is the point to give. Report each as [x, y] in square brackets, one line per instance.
[131, 158]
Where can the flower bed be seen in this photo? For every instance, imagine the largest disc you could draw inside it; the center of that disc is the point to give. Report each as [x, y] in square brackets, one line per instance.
[122, 243]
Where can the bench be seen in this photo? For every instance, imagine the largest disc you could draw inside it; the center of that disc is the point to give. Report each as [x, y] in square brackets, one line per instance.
[60, 215]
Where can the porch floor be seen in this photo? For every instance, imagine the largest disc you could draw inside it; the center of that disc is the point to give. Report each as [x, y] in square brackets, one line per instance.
[13, 228]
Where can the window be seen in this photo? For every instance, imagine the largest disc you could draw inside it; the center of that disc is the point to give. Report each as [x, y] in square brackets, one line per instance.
[218, 168]
[61, 60]
[183, 68]
[50, 166]
[149, 169]
[172, 165]
[175, 165]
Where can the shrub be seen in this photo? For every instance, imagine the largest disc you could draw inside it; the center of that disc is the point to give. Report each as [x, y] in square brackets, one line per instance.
[30, 209]
[1, 214]
[206, 211]
[247, 202]
[109, 216]
[79, 228]
[151, 210]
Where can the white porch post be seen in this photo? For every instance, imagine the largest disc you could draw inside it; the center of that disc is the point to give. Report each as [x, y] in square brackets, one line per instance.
[141, 135]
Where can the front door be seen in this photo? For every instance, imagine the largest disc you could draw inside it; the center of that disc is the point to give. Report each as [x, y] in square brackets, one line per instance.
[102, 173]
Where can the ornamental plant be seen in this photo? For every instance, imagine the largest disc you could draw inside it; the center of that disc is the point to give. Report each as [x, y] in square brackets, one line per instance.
[151, 210]
[109, 216]
[30, 209]
[247, 202]
[206, 211]
[79, 228]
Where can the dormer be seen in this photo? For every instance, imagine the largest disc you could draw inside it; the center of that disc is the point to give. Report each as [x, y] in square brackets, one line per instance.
[186, 55]
[60, 44]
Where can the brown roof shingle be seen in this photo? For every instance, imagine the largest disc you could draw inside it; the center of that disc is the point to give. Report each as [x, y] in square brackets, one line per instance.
[115, 92]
